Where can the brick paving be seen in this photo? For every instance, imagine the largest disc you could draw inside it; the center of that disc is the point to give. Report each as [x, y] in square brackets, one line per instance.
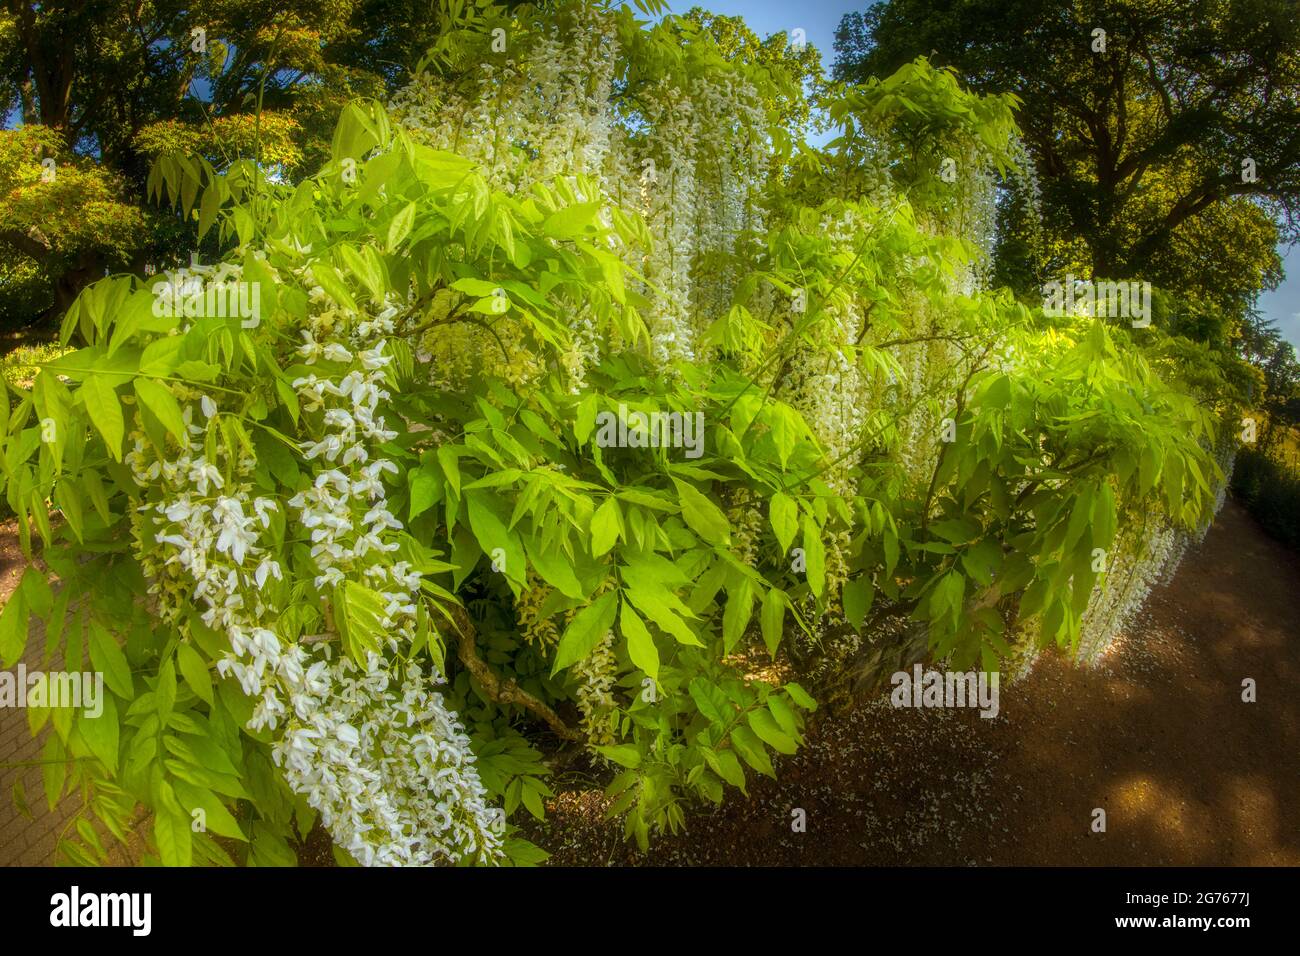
[31, 838]
[24, 840]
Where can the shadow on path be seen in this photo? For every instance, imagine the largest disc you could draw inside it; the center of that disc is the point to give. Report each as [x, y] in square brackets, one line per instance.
[1157, 735]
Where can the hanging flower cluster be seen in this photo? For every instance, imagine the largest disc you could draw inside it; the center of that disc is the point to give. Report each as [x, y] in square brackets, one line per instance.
[548, 111]
[372, 746]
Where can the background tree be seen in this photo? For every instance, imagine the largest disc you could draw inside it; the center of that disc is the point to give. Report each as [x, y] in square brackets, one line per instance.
[1279, 398]
[63, 219]
[119, 83]
[1138, 150]
[797, 69]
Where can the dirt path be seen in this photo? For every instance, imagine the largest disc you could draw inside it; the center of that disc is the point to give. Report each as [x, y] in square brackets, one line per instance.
[1158, 736]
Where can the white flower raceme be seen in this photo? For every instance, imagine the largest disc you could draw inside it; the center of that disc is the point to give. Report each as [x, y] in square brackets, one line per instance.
[373, 748]
[697, 182]
[598, 672]
[1147, 551]
[427, 801]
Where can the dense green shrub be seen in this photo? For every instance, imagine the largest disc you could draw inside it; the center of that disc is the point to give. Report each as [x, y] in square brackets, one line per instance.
[1270, 490]
[359, 519]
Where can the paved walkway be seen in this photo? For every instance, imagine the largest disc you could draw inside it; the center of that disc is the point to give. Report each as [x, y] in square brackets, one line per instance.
[27, 841]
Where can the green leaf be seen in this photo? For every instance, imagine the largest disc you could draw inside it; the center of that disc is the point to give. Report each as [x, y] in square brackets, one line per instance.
[555, 568]
[656, 500]
[588, 627]
[704, 517]
[784, 514]
[711, 701]
[477, 288]
[101, 732]
[751, 751]
[172, 834]
[270, 848]
[996, 393]
[1103, 516]
[1035, 598]
[640, 645]
[69, 502]
[655, 604]
[216, 818]
[726, 765]
[161, 355]
[767, 729]
[358, 617]
[800, 696]
[490, 305]
[772, 618]
[201, 751]
[1080, 515]
[948, 596]
[856, 596]
[401, 225]
[105, 412]
[193, 371]
[585, 418]
[450, 468]
[571, 221]
[13, 629]
[159, 400]
[52, 400]
[784, 715]
[735, 618]
[108, 659]
[889, 541]
[522, 853]
[611, 268]
[364, 266]
[490, 526]
[787, 428]
[19, 794]
[533, 800]
[328, 279]
[165, 692]
[209, 206]
[195, 671]
[606, 526]
[625, 755]
[425, 484]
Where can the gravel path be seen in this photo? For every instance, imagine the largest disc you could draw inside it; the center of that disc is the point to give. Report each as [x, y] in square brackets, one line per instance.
[1157, 736]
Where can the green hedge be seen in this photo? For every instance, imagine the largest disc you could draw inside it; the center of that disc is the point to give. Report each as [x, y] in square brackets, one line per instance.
[1270, 490]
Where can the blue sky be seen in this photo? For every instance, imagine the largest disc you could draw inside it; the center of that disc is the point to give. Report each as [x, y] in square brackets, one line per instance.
[1283, 304]
[819, 18]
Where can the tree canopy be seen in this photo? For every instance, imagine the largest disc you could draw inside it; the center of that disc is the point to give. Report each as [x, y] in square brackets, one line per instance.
[121, 83]
[1165, 134]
